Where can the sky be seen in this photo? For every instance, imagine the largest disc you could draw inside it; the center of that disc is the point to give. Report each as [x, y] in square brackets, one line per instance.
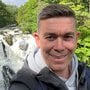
[15, 2]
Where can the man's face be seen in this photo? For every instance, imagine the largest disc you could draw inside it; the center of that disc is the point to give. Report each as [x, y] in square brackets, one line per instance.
[57, 39]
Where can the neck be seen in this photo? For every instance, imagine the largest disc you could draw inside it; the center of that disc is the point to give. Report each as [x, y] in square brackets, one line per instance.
[64, 73]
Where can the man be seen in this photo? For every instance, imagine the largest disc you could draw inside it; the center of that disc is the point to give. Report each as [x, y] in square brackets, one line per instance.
[53, 65]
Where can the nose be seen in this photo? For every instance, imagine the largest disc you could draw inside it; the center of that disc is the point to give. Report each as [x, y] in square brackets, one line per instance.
[59, 45]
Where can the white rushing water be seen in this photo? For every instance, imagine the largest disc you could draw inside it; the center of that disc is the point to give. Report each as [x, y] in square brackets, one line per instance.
[3, 61]
[14, 55]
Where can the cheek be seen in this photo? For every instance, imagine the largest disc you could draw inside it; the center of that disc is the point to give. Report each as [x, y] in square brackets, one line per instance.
[46, 48]
[45, 44]
[71, 46]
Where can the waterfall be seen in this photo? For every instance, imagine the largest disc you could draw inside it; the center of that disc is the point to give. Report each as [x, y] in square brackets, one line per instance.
[12, 56]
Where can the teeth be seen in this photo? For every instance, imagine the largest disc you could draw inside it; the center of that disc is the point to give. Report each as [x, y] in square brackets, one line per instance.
[59, 57]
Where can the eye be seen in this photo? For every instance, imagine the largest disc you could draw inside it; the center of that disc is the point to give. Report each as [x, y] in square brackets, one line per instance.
[68, 37]
[50, 38]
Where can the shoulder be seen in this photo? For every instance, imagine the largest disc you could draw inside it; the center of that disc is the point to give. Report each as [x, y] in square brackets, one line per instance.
[87, 76]
[18, 86]
[88, 72]
[24, 74]
[84, 71]
[27, 78]
[83, 67]
[24, 77]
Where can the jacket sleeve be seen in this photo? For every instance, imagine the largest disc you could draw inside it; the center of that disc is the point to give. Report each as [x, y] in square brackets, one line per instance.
[18, 86]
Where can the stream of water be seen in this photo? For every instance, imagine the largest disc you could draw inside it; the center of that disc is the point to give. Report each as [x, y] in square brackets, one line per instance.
[13, 56]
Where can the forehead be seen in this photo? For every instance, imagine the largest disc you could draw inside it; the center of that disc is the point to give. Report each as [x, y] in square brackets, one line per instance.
[61, 24]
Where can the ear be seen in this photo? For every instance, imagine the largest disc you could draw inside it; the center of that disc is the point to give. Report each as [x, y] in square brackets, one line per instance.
[77, 35]
[37, 39]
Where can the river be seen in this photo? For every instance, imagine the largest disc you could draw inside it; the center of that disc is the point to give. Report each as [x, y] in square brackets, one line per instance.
[13, 56]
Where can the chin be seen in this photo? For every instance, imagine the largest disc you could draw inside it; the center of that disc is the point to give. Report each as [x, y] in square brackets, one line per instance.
[58, 67]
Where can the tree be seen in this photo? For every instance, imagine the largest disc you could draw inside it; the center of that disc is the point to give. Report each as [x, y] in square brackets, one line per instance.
[13, 12]
[6, 17]
[27, 15]
[52, 1]
[3, 14]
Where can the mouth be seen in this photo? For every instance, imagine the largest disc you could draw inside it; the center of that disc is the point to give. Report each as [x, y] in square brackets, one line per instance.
[58, 56]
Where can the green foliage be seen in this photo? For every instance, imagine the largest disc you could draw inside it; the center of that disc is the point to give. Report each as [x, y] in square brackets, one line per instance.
[27, 16]
[52, 1]
[83, 50]
[3, 14]
[13, 12]
[6, 17]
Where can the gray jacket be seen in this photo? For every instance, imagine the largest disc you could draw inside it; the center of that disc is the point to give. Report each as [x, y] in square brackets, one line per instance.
[26, 79]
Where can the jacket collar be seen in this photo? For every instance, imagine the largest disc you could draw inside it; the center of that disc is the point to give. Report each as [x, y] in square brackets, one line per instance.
[47, 76]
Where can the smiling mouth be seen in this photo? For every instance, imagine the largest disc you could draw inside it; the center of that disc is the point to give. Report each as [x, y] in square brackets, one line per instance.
[58, 56]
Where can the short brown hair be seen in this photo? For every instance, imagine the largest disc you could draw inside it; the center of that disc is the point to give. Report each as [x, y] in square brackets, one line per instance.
[56, 10]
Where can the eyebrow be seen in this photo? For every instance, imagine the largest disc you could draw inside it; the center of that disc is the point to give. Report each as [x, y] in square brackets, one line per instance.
[46, 34]
[69, 33]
